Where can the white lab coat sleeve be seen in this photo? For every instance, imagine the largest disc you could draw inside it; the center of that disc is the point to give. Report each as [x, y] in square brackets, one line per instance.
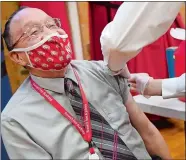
[135, 25]
[173, 87]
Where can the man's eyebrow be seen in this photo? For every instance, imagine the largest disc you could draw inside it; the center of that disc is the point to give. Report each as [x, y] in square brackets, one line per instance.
[30, 23]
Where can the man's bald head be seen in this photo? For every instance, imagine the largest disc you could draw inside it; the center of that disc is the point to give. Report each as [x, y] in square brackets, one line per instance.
[18, 23]
[6, 33]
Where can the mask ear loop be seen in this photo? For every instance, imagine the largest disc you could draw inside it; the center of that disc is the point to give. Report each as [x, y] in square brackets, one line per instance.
[29, 60]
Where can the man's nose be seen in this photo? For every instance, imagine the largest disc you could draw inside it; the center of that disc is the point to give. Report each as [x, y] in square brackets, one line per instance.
[61, 31]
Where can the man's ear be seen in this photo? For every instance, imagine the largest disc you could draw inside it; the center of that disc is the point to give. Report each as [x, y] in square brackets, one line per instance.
[19, 58]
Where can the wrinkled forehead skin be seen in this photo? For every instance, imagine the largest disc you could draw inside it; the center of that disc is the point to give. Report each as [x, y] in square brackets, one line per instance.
[25, 18]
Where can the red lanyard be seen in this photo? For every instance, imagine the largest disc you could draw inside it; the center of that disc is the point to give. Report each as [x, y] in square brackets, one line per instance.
[86, 132]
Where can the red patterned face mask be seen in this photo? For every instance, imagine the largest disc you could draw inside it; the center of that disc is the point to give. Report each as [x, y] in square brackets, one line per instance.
[52, 53]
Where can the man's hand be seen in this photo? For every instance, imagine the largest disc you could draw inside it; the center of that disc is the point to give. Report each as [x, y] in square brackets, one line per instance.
[139, 83]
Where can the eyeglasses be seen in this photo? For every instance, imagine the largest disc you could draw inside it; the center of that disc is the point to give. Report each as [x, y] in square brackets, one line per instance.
[36, 30]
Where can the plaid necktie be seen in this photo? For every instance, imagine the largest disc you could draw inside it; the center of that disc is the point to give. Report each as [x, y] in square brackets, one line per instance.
[105, 138]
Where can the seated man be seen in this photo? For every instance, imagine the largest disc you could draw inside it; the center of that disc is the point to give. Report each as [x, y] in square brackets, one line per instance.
[43, 119]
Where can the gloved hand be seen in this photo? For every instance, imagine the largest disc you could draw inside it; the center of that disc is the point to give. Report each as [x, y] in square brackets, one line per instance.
[139, 82]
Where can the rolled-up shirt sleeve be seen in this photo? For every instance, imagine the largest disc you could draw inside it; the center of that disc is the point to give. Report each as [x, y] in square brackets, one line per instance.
[135, 25]
[173, 87]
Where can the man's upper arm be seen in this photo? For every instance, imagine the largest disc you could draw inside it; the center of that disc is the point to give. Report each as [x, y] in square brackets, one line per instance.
[137, 116]
[18, 143]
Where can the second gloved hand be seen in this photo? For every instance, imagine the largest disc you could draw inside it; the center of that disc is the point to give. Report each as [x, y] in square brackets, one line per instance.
[139, 83]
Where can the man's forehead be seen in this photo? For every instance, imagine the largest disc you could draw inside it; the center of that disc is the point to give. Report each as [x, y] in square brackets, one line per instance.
[24, 17]
[29, 15]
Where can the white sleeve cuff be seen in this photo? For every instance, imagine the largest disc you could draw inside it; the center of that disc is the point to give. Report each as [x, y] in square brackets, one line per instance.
[173, 87]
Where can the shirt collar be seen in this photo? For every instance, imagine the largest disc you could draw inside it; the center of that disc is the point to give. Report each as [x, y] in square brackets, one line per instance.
[55, 84]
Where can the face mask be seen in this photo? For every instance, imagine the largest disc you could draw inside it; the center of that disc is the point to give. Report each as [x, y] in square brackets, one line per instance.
[52, 53]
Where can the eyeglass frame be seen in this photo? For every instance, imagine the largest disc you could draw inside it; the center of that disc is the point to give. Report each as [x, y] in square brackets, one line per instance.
[17, 41]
